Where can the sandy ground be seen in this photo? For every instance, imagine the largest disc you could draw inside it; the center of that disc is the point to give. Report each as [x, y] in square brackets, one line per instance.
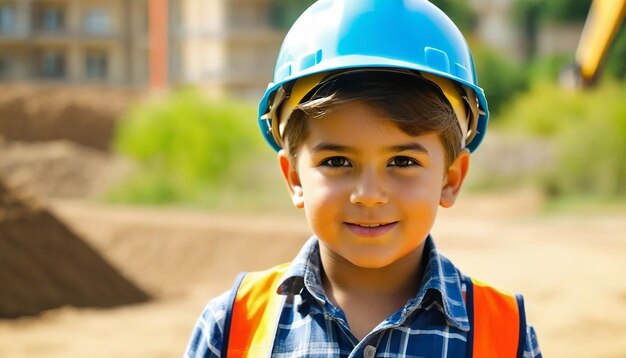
[570, 267]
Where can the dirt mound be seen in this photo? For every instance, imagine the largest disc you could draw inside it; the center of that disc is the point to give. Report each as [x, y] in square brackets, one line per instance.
[60, 169]
[169, 250]
[44, 265]
[86, 116]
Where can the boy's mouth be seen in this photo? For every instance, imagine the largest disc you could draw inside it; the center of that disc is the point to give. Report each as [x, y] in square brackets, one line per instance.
[370, 230]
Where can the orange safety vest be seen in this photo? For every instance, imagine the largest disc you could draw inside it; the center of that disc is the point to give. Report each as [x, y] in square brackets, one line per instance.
[497, 319]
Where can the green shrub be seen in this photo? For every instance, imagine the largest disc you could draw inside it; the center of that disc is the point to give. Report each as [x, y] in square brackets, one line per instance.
[589, 131]
[615, 64]
[547, 69]
[501, 78]
[190, 149]
[545, 110]
[591, 151]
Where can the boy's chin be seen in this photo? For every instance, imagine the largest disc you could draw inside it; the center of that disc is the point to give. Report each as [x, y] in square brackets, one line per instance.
[371, 262]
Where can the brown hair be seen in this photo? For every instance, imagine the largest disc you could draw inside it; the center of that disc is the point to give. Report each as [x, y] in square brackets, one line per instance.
[415, 105]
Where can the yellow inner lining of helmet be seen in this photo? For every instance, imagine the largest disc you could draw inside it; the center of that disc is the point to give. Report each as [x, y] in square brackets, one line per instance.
[461, 99]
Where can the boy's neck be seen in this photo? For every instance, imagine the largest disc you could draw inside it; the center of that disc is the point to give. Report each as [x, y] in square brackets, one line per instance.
[401, 276]
[368, 296]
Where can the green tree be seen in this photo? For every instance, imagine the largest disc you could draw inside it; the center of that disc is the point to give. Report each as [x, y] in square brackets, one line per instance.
[526, 14]
[285, 12]
[553, 11]
[531, 14]
[566, 10]
[615, 63]
[459, 11]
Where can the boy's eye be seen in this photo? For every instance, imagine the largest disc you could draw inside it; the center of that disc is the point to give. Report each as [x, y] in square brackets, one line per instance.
[336, 162]
[403, 162]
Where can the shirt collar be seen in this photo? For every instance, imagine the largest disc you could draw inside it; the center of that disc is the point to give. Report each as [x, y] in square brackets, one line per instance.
[440, 276]
[307, 266]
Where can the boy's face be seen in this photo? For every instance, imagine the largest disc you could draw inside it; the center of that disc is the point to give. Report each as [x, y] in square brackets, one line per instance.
[370, 191]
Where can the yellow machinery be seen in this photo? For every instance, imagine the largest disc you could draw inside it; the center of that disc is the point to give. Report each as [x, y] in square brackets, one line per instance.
[603, 22]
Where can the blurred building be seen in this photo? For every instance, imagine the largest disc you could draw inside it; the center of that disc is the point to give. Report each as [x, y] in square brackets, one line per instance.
[225, 46]
[495, 26]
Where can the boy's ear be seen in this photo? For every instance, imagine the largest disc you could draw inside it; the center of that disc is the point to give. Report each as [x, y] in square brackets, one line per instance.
[292, 179]
[454, 179]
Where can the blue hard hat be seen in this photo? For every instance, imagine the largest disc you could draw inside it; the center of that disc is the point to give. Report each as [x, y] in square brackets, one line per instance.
[339, 35]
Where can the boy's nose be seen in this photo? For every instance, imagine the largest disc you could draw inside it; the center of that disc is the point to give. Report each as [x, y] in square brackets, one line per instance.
[369, 190]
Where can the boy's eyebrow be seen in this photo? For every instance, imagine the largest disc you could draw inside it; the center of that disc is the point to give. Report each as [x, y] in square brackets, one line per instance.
[414, 147]
[409, 147]
[324, 146]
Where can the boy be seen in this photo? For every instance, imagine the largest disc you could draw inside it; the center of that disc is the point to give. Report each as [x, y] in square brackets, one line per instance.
[374, 111]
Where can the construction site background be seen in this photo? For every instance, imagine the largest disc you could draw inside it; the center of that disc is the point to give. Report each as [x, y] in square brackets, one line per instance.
[75, 268]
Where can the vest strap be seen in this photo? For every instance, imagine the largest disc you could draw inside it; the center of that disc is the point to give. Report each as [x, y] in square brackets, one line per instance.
[469, 307]
[522, 325]
[497, 321]
[257, 304]
[229, 313]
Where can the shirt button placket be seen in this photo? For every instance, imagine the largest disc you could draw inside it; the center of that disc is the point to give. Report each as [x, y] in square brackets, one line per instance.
[369, 352]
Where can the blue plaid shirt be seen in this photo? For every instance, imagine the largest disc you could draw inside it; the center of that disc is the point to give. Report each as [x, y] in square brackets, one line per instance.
[432, 324]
